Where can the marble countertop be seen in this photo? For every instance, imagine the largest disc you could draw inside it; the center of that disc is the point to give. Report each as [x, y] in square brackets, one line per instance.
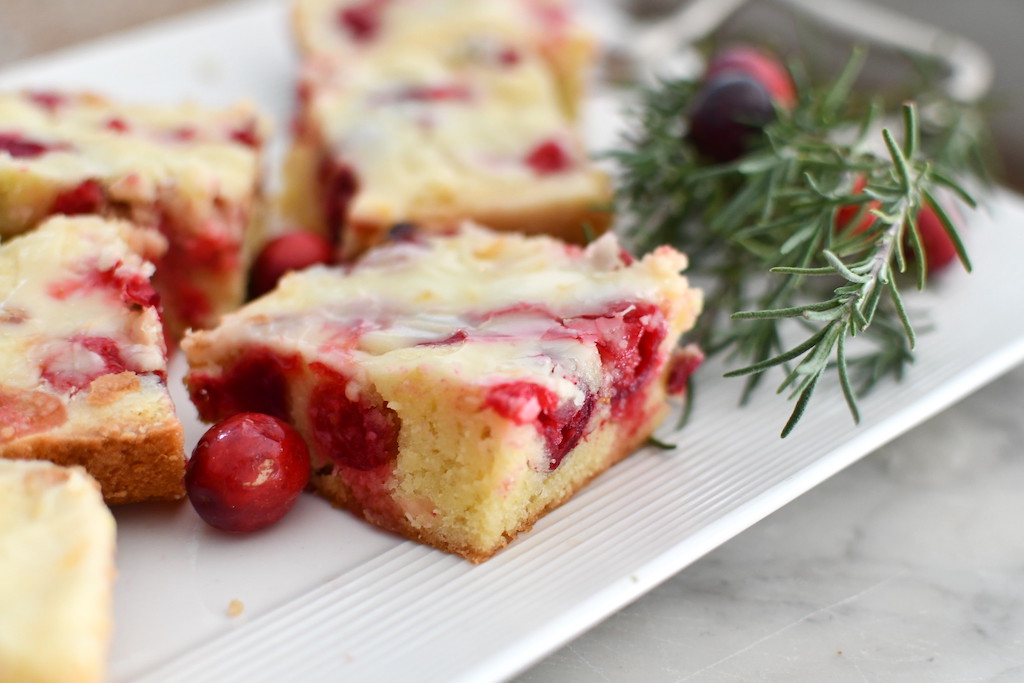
[907, 566]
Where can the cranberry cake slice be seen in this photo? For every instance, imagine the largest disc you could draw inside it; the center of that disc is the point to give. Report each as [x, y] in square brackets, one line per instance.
[434, 137]
[190, 172]
[455, 388]
[349, 30]
[83, 365]
[56, 574]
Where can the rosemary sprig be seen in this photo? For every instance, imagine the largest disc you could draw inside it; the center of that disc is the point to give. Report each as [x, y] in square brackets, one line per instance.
[762, 235]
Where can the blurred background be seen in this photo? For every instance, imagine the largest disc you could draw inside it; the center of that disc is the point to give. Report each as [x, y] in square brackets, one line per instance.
[31, 27]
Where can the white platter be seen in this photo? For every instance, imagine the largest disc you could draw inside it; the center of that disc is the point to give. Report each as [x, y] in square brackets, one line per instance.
[326, 597]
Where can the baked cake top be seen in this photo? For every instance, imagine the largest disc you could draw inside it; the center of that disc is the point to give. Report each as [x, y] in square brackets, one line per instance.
[348, 27]
[458, 129]
[71, 137]
[348, 30]
[76, 303]
[482, 304]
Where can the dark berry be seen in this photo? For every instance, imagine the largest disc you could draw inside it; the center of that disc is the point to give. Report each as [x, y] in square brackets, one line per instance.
[246, 472]
[760, 66]
[285, 253]
[728, 116]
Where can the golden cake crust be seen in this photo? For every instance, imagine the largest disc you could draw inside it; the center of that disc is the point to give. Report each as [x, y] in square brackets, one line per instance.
[132, 462]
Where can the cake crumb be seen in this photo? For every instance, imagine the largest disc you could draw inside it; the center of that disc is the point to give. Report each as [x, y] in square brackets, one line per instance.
[235, 608]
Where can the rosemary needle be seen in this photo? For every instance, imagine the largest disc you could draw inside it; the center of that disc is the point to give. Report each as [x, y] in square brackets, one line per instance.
[764, 229]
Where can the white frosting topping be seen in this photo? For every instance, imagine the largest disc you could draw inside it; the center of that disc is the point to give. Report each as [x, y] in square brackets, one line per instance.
[134, 149]
[49, 295]
[428, 131]
[322, 27]
[511, 297]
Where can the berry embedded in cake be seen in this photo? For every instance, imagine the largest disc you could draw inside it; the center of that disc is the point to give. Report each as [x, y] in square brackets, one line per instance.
[83, 364]
[455, 388]
[56, 574]
[192, 173]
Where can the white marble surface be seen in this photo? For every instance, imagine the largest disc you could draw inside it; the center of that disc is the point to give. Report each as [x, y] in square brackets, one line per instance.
[908, 566]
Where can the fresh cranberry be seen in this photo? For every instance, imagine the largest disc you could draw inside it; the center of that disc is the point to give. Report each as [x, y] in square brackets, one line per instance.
[246, 472]
[939, 250]
[73, 366]
[728, 116]
[20, 147]
[362, 20]
[353, 433]
[561, 427]
[86, 197]
[549, 157]
[847, 214]
[256, 382]
[287, 252]
[758, 65]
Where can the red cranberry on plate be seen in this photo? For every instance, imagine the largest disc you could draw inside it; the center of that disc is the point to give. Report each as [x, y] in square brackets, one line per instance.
[939, 251]
[246, 472]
